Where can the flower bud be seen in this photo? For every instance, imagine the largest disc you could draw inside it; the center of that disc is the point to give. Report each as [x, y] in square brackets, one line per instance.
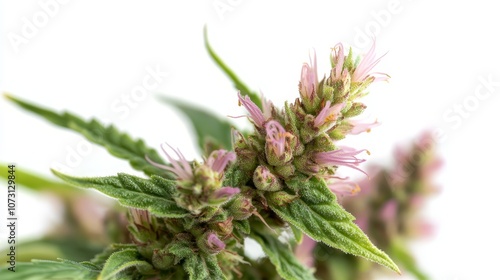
[278, 144]
[162, 259]
[241, 207]
[223, 228]
[210, 243]
[264, 180]
[281, 198]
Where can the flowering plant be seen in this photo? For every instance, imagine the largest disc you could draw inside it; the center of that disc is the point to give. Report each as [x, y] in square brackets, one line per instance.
[277, 185]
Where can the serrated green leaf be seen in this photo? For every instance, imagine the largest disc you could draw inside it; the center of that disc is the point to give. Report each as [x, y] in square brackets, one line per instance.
[203, 268]
[238, 84]
[37, 182]
[53, 270]
[117, 143]
[120, 262]
[210, 129]
[318, 214]
[281, 256]
[154, 195]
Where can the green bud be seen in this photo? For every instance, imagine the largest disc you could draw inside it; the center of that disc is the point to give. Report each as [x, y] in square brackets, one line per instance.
[264, 180]
[162, 259]
[241, 207]
[281, 198]
[286, 170]
[210, 243]
[356, 109]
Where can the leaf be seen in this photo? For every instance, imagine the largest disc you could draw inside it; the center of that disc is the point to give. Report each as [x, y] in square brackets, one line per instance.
[402, 256]
[281, 256]
[210, 129]
[318, 214]
[155, 194]
[39, 183]
[238, 84]
[119, 262]
[54, 270]
[117, 143]
[203, 267]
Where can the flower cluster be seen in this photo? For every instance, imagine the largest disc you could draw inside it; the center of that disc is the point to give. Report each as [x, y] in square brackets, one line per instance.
[302, 137]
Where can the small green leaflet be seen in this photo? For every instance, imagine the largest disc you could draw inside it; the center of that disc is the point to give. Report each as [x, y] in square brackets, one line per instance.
[203, 268]
[210, 129]
[282, 257]
[37, 182]
[238, 84]
[318, 214]
[154, 195]
[120, 262]
[117, 143]
[55, 270]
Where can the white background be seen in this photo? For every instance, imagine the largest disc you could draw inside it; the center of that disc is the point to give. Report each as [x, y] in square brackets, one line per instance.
[88, 55]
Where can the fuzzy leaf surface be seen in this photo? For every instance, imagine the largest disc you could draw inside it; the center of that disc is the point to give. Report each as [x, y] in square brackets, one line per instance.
[119, 262]
[154, 195]
[281, 256]
[203, 267]
[117, 143]
[317, 213]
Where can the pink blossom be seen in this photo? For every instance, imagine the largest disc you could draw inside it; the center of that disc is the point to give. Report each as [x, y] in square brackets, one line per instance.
[181, 167]
[226, 192]
[219, 159]
[276, 137]
[309, 79]
[344, 156]
[338, 58]
[389, 211]
[342, 188]
[255, 113]
[366, 65]
[360, 127]
[214, 242]
[328, 113]
[304, 251]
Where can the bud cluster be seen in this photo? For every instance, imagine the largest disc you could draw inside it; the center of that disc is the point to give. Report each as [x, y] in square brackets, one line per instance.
[302, 137]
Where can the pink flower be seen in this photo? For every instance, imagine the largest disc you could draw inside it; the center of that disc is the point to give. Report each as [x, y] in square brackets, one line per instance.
[225, 193]
[215, 243]
[304, 251]
[309, 79]
[255, 113]
[276, 137]
[360, 127]
[366, 65]
[342, 188]
[181, 167]
[219, 159]
[338, 58]
[344, 156]
[328, 113]
[389, 211]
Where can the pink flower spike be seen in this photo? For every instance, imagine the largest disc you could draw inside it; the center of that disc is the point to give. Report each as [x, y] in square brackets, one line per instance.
[219, 159]
[276, 137]
[360, 127]
[344, 188]
[328, 113]
[181, 167]
[255, 113]
[366, 65]
[344, 156]
[214, 242]
[309, 78]
[338, 58]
